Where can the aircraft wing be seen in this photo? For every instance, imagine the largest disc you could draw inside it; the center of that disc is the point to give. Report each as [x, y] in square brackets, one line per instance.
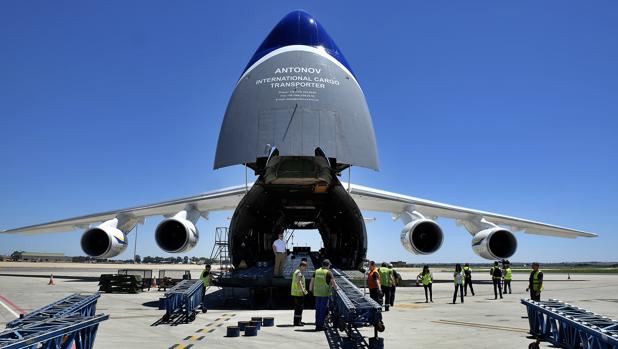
[223, 199]
[369, 199]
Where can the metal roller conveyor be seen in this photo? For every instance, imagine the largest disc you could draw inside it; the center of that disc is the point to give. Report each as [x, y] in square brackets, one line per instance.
[350, 309]
[82, 304]
[569, 326]
[184, 298]
[57, 332]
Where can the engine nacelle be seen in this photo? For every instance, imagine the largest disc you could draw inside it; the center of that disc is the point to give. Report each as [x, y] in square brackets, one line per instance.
[176, 235]
[422, 236]
[494, 243]
[104, 241]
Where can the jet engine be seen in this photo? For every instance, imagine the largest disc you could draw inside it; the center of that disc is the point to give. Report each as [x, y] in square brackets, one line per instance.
[104, 241]
[177, 234]
[422, 236]
[494, 243]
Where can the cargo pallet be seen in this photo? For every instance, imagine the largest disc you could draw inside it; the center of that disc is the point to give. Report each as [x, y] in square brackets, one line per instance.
[144, 274]
[118, 283]
[569, 326]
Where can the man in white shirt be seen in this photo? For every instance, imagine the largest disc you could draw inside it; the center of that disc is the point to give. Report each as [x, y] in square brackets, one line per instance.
[279, 251]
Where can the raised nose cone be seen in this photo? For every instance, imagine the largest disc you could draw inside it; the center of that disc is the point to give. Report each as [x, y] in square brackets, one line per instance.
[298, 28]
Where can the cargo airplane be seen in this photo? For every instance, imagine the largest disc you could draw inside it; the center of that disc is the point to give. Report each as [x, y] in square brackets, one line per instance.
[298, 118]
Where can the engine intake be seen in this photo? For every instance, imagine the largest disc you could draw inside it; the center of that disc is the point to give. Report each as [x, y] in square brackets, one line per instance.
[422, 236]
[494, 243]
[103, 242]
[176, 235]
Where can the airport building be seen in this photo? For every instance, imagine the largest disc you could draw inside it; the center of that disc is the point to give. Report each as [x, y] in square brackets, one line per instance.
[21, 256]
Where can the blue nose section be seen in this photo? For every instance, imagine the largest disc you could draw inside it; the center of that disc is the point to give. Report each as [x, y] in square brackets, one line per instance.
[298, 28]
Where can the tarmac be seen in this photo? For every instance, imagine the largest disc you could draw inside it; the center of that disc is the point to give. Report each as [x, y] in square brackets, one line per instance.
[480, 322]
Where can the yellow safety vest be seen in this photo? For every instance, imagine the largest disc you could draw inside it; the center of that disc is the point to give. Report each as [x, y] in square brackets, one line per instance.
[508, 274]
[426, 279]
[385, 276]
[535, 282]
[205, 277]
[491, 271]
[296, 290]
[320, 287]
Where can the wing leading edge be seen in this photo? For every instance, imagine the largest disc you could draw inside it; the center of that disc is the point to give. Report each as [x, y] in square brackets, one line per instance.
[219, 200]
[369, 199]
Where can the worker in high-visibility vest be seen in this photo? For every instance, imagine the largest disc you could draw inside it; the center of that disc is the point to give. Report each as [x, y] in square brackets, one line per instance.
[298, 292]
[373, 282]
[206, 277]
[321, 284]
[535, 285]
[496, 278]
[396, 281]
[508, 276]
[426, 277]
[468, 275]
[459, 279]
[386, 280]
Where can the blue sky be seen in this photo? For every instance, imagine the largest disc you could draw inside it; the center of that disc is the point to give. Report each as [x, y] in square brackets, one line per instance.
[505, 107]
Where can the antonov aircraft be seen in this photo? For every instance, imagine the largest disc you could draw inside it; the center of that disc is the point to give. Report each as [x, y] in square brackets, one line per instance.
[298, 118]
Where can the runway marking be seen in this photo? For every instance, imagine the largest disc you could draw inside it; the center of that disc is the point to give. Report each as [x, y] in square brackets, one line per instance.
[4, 301]
[218, 322]
[181, 346]
[194, 338]
[485, 326]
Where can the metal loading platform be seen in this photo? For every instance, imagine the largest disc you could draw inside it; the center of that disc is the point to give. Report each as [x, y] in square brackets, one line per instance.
[262, 275]
[182, 301]
[351, 309]
[69, 322]
[568, 326]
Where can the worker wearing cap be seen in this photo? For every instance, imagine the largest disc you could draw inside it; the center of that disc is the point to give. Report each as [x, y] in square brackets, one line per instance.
[496, 277]
[321, 284]
[396, 280]
[206, 277]
[508, 276]
[373, 282]
[535, 285]
[386, 279]
[298, 292]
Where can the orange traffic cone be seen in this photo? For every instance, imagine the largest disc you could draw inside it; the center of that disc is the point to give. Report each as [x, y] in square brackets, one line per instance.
[51, 280]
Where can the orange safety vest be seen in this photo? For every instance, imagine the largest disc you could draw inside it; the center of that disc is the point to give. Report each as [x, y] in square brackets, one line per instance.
[370, 280]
